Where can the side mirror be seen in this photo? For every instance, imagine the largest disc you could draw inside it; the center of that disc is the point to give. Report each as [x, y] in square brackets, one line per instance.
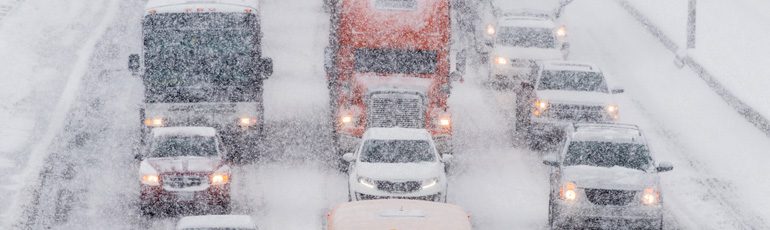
[525, 85]
[447, 158]
[266, 67]
[349, 157]
[664, 167]
[455, 76]
[618, 90]
[551, 160]
[133, 64]
[138, 157]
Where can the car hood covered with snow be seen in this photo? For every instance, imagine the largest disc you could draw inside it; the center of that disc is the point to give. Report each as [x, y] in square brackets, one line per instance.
[619, 178]
[575, 97]
[181, 164]
[535, 54]
[400, 171]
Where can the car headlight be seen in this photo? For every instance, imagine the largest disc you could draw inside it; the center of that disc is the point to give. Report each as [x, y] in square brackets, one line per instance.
[568, 191]
[561, 32]
[613, 111]
[219, 178]
[650, 196]
[154, 122]
[369, 183]
[429, 183]
[501, 60]
[247, 121]
[491, 30]
[151, 179]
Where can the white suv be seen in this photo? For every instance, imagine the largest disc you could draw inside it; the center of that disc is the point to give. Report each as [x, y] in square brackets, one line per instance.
[397, 163]
[603, 176]
[519, 40]
[563, 93]
[184, 167]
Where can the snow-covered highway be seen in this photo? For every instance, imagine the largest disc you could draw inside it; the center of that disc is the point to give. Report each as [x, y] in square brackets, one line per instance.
[86, 176]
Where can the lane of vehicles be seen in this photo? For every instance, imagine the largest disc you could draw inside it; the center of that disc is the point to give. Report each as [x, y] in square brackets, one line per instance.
[389, 79]
[388, 65]
[202, 65]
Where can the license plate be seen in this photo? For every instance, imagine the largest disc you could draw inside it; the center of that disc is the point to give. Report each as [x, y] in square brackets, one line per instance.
[185, 196]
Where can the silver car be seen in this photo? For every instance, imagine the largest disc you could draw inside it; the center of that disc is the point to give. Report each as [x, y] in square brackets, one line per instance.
[604, 177]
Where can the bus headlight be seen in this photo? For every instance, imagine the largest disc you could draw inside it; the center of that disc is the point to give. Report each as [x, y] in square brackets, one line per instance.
[568, 191]
[154, 122]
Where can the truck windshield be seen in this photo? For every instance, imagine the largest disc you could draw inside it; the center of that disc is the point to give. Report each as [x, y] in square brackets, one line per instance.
[608, 154]
[395, 61]
[184, 146]
[572, 81]
[397, 151]
[199, 57]
[526, 37]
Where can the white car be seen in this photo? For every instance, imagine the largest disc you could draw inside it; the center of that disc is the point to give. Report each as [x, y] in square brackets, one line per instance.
[216, 222]
[519, 40]
[605, 177]
[397, 163]
[564, 93]
[184, 167]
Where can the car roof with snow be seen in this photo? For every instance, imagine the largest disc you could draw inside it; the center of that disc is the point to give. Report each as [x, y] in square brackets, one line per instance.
[570, 66]
[621, 133]
[389, 214]
[396, 134]
[216, 221]
[182, 6]
[184, 131]
[524, 18]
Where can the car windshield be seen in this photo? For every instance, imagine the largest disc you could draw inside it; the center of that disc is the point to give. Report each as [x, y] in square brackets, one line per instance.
[526, 37]
[608, 154]
[397, 151]
[184, 146]
[572, 81]
[395, 61]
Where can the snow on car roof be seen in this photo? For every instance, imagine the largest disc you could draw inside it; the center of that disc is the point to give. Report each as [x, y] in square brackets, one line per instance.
[399, 214]
[397, 134]
[180, 6]
[184, 131]
[216, 221]
[608, 132]
[570, 66]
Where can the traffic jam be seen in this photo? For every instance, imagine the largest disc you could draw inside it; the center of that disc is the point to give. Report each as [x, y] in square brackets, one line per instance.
[390, 67]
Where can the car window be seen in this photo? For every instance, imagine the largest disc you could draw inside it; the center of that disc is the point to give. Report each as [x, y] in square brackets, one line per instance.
[179, 146]
[526, 37]
[572, 81]
[397, 151]
[608, 154]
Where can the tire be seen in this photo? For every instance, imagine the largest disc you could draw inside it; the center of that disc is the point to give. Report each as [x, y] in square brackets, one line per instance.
[147, 210]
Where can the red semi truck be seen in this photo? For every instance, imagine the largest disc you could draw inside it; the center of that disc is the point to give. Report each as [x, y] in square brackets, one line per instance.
[388, 65]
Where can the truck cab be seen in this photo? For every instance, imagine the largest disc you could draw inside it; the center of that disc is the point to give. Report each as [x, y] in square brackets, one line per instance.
[202, 65]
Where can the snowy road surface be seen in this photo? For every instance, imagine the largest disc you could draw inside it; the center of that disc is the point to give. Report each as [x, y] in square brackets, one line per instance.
[89, 179]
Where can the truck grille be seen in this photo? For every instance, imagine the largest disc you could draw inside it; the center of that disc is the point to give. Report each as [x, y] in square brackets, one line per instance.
[184, 181]
[577, 112]
[396, 110]
[409, 186]
[610, 197]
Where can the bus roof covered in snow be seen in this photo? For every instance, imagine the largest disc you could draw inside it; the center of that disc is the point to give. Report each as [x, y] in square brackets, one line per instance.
[201, 6]
[397, 214]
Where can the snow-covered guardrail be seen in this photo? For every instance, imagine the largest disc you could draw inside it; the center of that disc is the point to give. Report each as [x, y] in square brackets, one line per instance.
[683, 59]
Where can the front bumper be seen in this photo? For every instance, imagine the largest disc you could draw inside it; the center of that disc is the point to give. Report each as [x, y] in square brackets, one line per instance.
[587, 215]
[158, 197]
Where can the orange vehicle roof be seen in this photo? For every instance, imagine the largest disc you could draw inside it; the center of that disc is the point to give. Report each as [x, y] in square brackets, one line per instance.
[398, 215]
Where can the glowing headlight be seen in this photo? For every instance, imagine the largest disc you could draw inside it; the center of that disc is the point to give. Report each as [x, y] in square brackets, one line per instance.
[247, 121]
[429, 183]
[151, 180]
[568, 191]
[491, 30]
[366, 182]
[220, 178]
[650, 197]
[613, 111]
[346, 119]
[444, 122]
[561, 32]
[501, 60]
[153, 122]
[541, 105]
